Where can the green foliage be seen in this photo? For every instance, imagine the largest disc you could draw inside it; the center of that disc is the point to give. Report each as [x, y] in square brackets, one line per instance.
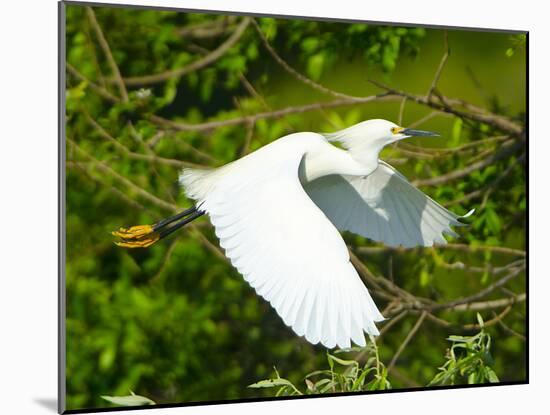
[130, 400]
[468, 361]
[176, 322]
[518, 42]
[341, 376]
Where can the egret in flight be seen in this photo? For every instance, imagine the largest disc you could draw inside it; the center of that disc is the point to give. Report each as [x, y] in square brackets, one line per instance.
[277, 213]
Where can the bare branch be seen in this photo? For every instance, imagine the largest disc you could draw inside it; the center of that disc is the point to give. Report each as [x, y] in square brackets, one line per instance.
[486, 190]
[438, 152]
[452, 246]
[207, 30]
[474, 326]
[97, 88]
[409, 337]
[294, 72]
[107, 50]
[137, 156]
[479, 295]
[82, 166]
[198, 64]
[509, 330]
[180, 126]
[504, 152]
[485, 305]
[442, 63]
[401, 111]
[106, 169]
[449, 105]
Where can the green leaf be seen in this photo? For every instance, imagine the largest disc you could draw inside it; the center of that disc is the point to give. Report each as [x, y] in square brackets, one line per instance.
[342, 361]
[480, 320]
[491, 375]
[130, 400]
[271, 383]
[315, 65]
[456, 132]
[424, 278]
[493, 221]
[310, 44]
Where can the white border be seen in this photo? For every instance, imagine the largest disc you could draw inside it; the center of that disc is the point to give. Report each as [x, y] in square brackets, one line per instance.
[28, 103]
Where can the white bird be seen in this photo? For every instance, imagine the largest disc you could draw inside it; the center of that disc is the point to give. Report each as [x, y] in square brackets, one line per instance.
[277, 213]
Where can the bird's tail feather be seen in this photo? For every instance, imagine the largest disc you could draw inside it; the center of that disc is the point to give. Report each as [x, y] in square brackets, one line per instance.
[197, 183]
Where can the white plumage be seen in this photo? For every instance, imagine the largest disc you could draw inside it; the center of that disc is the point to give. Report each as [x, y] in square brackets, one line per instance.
[277, 212]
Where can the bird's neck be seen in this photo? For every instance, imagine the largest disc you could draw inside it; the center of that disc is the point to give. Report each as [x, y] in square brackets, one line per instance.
[330, 160]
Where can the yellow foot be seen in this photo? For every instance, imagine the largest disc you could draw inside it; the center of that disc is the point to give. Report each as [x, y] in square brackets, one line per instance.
[140, 236]
[133, 232]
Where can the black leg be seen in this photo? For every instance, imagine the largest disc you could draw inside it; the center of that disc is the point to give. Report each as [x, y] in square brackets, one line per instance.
[167, 231]
[159, 225]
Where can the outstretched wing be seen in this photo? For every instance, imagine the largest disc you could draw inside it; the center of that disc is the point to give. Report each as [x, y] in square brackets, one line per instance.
[384, 207]
[286, 248]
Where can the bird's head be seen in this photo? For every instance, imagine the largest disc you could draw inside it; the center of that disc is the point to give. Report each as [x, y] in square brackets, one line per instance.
[375, 133]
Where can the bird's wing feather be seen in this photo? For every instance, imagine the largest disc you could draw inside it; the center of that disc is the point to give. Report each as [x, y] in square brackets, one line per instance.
[383, 206]
[287, 249]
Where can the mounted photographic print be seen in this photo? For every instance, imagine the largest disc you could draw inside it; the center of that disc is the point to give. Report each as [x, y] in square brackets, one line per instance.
[264, 206]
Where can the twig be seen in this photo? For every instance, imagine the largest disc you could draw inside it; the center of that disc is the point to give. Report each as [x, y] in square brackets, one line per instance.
[107, 50]
[247, 139]
[442, 63]
[106, 169]
[165, 261]
[504, 152]
[213, 248]
[97, 88]
[392, 321]
[294, 72]
[484, 305]
[511, 331]
[131, 202]
[470, 299]
[488, 188]
[265, 115]
[451, 246]
[198, 64]
[137, 156]
[453, 150]
[447, 105]
[474, 326]
[401, 111]
[207, 30]
[407, 340]
[428, 117]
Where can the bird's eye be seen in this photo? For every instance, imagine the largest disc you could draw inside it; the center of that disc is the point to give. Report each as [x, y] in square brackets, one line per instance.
[396, 130]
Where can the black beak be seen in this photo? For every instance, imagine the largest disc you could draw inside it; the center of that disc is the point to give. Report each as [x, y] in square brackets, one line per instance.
[418, 133]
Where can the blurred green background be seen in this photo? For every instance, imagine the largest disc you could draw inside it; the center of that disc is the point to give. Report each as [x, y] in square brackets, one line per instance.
[175, 322]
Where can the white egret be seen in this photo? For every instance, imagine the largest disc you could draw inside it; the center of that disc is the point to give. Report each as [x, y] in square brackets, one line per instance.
[277, 212]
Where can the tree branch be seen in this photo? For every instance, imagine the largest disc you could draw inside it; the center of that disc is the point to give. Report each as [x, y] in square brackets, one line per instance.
[104, 93]
[407, 340]
[107, 50]
[106, 169]
[153, 158]
[452, 246]
[477, 296]
[505, 151]
[198, 64]
[485, 305]
[477, 114]
[442, 63]
[294, 72]
[180, 126]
